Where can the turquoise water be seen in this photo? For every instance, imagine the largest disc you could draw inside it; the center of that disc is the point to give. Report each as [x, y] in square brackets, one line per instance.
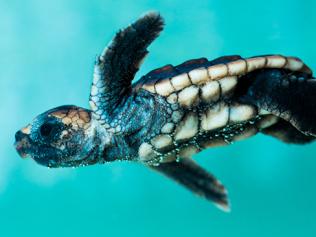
[47, 53]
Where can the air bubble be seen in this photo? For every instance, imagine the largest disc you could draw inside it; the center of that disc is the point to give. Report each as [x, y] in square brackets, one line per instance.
[225, 140]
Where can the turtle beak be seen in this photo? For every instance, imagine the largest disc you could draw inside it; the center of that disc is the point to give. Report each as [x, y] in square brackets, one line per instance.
[22, 143]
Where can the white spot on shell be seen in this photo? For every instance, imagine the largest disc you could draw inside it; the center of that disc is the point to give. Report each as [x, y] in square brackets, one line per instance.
[237, 67]
[199, 76]
[164, 87]
[150, 88]
[210, 92]
[275, 61]
[228, 84]
[255, 63]
[217, 71]
[215, 117]
[172, 99]
[188, 96]
[187, 128]
[294, 64]
[239, 113]
[180, 81]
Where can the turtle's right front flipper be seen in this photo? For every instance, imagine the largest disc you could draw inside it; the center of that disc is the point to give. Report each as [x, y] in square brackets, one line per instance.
[290, 96]
[189, 174]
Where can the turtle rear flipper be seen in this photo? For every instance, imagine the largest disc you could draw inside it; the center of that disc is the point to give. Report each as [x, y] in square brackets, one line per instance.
[189, 174]
[290, 96]
[286, 132]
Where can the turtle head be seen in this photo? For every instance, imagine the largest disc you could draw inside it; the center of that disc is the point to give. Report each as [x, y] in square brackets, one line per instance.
[65, 136]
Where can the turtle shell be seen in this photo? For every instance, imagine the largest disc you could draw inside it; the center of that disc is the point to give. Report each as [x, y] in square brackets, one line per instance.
[169, 79]
[205, 114]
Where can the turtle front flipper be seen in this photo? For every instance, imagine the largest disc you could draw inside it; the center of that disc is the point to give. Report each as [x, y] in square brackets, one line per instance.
[116, 67]
[288, 95]
[189, 174]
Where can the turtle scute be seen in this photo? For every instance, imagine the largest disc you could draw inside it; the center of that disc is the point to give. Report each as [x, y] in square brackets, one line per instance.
[198, 72]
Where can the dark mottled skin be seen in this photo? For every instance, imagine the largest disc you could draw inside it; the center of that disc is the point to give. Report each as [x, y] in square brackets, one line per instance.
[123, 115]
[140, 120]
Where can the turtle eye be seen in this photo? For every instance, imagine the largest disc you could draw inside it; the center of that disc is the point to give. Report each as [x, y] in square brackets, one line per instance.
[46, 130]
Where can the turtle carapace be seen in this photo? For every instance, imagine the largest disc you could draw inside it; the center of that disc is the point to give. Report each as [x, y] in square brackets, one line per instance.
[174, 112]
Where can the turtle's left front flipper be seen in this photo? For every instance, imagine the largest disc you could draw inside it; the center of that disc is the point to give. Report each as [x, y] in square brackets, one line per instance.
[189, 174]
[290, 96]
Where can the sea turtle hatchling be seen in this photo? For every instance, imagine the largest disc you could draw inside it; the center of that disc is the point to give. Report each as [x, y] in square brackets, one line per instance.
[174, 112]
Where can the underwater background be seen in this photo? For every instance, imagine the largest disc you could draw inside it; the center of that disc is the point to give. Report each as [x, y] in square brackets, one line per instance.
[47, 53]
